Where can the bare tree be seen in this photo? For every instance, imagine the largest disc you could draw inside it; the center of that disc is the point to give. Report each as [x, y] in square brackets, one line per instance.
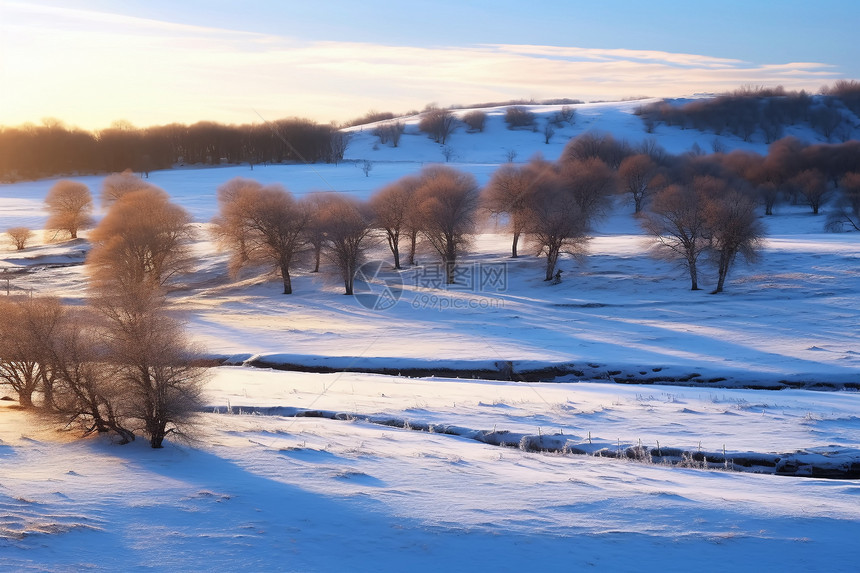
[847, 209]
[142, 240]
[154, 363]
[597, 145]
[555, 221]
[567, 115]
[755, 170]
[508, 193]
[366, 167]
[132, 369]
[313, 205]
[389, 132]
[678, 226]
[518, 116]
[812, 184]
[548, 131]
[338, 143]
[638, 175]
[826, 119]
[263, 225]
[591, 183]
[347, 225]
[116, 185]
[733, 227]
[83, 388]
[20, 236]
[438, 124]
[391, 207]
[476, 120]
[69, 205]
[20, 364]
[412, 225]
[447, 201]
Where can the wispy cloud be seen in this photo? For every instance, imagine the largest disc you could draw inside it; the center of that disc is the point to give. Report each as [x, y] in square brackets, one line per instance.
[90, 68]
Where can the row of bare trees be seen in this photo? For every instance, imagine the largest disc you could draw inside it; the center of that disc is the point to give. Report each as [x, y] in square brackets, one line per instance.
[688, 213]
[749, 111]
[31, 151]
[266, 225]
[554, 204]
[121, 364]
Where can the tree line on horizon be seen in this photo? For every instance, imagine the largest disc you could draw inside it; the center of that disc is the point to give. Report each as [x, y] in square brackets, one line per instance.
[35, 151]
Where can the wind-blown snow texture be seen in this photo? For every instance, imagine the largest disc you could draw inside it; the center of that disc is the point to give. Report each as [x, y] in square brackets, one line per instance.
[268, 492]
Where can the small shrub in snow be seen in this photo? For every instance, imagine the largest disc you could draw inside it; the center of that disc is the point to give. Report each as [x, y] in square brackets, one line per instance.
[20, 236]
[518, 116]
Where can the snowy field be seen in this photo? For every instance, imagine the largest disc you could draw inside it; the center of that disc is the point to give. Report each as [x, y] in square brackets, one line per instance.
[261, 490]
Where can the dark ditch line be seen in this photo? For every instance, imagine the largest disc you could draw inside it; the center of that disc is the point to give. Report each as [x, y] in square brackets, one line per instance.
[561, 372]
[831, 464]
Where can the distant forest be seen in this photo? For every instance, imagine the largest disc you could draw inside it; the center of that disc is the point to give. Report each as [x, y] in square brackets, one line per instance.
[31, 152]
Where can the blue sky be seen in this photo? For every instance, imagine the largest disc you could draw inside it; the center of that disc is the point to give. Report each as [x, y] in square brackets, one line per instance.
[89, 62]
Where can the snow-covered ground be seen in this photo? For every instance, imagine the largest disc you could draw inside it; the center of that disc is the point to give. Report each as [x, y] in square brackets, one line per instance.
[263, 491]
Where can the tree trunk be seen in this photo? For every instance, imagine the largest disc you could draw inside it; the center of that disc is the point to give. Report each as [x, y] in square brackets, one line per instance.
[348, 279]
[722, 271]
[551, 260]
[285, 274]
[514, 245]
[25, 398]
[48, 393]
[450, 260]
[317, 255]
[413, 242]
[694, 275]
[156, 440]
[394, 245]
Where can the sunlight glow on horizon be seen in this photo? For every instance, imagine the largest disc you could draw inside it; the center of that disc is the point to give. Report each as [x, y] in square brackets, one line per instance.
[89, 69]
